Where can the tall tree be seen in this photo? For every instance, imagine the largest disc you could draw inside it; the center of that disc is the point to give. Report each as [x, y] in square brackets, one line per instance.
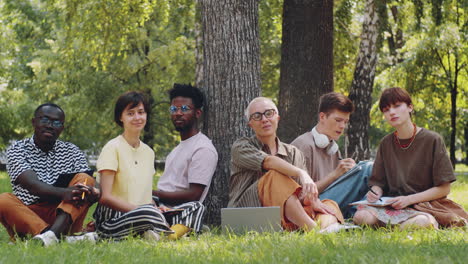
[231, 71]
[361, 87]
[131, 45]
[433, 68]
[306, 64]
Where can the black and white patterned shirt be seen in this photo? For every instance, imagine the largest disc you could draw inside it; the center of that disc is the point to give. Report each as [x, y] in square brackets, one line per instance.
[23, 155]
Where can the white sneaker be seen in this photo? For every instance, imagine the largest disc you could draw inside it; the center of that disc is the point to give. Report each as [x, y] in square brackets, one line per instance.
[336, 227]
[90, 237]
[151, 235]
[205, 229]
[47, 238]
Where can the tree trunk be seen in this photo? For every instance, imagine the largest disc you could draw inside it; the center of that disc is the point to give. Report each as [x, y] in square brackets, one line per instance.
[149, 135]
[453, 114]
[395, 40]
[306, 64]
[466, 144]
[453, 123]
[360, 93]
[198, 46]
[231, 77]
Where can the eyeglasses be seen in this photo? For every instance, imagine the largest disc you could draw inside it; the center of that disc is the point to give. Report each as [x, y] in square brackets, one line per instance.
[257, 116]
[184, 108]
[54, 123]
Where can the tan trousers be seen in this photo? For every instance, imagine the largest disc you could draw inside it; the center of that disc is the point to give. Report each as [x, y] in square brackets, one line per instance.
[275, 188]
[22, 219]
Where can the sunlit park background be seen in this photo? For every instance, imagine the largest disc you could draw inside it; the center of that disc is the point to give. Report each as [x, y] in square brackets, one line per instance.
[83, 54]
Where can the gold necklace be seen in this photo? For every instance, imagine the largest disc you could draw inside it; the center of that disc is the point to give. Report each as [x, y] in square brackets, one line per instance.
[405, 146]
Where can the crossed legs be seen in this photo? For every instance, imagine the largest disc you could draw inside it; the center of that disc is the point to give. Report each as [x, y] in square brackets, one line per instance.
[276, 189]
[294, 212]
[59, 217]
[365, 217]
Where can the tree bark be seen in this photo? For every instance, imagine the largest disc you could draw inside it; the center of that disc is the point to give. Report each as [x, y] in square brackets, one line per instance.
[357, 135]
[198, 46]
[466, 143]
[306, 64]
[231, 77]
[453, 113]
[453, 119]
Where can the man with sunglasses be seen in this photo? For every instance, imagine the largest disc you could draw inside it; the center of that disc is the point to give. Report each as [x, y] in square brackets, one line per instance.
[190, 166]
[268, 172]
[49, 196]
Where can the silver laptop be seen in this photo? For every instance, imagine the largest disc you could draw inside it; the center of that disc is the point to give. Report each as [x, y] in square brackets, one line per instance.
[261, 219]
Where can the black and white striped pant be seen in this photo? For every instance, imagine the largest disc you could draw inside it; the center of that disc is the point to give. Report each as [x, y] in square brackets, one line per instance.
[114, 224]
[117, 225]
[191, 216]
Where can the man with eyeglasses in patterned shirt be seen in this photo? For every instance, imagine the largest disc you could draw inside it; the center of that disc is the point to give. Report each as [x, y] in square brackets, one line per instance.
[190, 166]
[48, 176]
[268, 172]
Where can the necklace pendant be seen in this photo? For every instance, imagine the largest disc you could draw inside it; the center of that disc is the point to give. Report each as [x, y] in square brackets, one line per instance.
[407, 145]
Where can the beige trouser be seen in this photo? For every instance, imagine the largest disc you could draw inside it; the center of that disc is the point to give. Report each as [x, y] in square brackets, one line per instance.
[275, 188]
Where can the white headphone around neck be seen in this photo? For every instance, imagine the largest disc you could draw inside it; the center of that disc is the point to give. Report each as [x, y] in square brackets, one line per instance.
[322, 141]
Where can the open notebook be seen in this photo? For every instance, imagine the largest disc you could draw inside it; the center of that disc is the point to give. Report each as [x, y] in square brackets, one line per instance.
[378, 203]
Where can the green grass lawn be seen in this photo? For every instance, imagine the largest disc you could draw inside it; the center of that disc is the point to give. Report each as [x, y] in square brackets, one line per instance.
[362, 246]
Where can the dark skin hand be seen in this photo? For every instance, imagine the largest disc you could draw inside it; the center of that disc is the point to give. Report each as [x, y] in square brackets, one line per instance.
[193, 193]
[92, 194]
[29, 181]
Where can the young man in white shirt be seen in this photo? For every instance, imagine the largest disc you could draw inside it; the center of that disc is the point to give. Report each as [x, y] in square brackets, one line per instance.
[323, 159]
[190, 166]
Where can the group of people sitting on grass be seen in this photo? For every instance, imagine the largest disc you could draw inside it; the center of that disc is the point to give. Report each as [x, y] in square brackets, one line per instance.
[53, 186]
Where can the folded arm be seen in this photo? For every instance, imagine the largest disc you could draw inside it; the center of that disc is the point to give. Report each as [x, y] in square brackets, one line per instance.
[308, 186]
[29, 181]
[430, 194]
[193, 193]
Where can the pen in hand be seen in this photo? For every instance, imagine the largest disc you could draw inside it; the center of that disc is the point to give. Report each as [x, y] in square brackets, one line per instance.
[372, 191]
[83, 194]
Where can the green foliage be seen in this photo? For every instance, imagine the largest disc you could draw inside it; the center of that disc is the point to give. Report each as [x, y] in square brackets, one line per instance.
[102, 28]
[428, 71]
[270, 24]
[366, 246]
[346, 42]
[83, 54]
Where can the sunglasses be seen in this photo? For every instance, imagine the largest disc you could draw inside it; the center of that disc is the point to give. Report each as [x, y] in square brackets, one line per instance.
[54, 123]
[184, 108]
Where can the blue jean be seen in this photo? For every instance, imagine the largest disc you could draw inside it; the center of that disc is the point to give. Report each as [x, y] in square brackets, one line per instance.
[351, 189]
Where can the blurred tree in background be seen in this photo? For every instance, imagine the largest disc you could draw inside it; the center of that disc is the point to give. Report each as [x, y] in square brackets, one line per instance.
[83, 54]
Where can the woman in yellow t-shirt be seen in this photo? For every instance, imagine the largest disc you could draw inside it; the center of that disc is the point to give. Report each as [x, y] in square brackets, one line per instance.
[126, 168]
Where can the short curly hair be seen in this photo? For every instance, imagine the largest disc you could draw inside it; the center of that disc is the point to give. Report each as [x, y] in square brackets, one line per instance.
[189, 91]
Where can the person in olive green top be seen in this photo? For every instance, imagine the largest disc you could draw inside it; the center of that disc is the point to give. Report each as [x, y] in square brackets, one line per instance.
[267, 172]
